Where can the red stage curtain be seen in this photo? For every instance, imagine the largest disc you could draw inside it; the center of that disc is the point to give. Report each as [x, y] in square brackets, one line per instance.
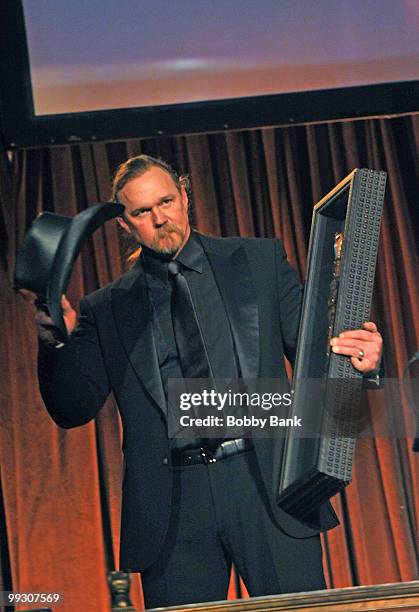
[60, 490]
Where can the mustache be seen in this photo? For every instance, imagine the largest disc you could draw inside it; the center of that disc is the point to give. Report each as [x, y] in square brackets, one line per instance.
[166, 229]
[163, 232]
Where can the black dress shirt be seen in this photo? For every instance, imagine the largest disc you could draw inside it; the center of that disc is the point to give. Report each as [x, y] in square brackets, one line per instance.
[211, 314]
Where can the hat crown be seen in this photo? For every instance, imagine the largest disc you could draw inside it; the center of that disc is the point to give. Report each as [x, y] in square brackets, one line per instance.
[38, 250]
[51, 245]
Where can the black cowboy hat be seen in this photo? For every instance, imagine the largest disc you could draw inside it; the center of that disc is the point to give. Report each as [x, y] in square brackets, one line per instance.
[49, 249]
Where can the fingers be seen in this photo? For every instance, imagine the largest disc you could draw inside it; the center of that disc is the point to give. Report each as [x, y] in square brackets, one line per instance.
[355, 334]
[350, 350]
[341, 344]
[66, 305]
[369, 333]
[45, 323]
[69, 314]
[42, 318]
[362, 365]
[370, 326]
[359, 358]
[30, 296]
[363, 346]
[46, 328]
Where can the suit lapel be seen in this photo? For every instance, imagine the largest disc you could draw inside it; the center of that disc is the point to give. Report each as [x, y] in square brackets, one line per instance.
[232, 274]
[132, 312]
[133, 318]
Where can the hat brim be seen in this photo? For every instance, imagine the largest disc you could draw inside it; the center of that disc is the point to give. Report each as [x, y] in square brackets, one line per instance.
[51, 245]
[79, 230]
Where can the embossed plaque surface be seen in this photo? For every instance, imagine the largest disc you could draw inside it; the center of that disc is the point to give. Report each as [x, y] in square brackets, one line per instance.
[326, 387]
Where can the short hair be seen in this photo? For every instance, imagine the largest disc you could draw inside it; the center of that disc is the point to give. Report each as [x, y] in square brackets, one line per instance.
[137, 166]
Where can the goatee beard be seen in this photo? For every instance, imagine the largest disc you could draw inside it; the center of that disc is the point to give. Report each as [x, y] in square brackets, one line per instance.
[168, 230]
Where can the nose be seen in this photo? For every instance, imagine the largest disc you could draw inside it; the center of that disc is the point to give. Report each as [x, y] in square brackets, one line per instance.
[158, 216]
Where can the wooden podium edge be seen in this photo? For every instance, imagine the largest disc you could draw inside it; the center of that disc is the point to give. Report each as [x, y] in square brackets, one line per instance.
[391, 597]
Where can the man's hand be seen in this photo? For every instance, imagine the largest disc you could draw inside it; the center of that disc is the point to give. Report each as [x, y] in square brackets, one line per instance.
[364, 347]
[45, 324]
[69, 314]
[46, 327]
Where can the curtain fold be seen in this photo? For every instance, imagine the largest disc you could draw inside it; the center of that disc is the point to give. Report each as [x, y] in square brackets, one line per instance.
[61, 489]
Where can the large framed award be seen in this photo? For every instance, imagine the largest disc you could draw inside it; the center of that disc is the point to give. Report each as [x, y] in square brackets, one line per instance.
[326, 387]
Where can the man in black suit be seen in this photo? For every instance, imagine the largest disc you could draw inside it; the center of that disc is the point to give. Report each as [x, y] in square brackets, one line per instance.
[191, 508]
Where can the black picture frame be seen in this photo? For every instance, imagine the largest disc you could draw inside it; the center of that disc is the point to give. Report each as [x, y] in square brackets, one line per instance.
[337, 297]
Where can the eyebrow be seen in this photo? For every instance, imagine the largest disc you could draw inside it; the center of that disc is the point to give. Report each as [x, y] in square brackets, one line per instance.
[162, 199]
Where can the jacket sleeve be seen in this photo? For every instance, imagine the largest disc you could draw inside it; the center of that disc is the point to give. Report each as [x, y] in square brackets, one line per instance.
[73, 380]
[290, 300]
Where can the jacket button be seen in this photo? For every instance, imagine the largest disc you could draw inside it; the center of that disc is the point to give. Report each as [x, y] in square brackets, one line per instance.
[165, 461]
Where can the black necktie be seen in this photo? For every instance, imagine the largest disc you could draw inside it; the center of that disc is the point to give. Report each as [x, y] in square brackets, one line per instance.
[190, 345]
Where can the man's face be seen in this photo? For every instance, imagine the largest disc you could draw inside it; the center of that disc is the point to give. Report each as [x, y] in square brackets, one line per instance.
[156, 213]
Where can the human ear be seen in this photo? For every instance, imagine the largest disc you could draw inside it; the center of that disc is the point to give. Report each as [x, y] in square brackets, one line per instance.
[124, 224]
[184, 195]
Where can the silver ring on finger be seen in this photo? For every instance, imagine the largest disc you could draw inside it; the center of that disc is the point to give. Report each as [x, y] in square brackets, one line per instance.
[361, 354]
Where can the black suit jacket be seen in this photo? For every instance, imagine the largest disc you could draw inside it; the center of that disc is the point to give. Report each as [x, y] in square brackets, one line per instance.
[113, 350]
